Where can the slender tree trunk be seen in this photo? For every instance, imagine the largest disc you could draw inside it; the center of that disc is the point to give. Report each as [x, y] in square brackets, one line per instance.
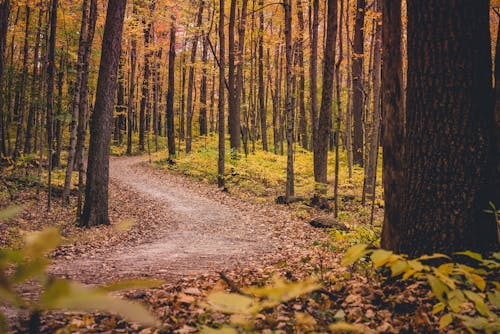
[357, 75]
[222, 56]
[51, 71]
[84, 106]
[170, 92]
[290, 189]
[234, 117]
[239, 69]
[302, 82]
[262, 107]
[325, 113]
[338, 82]
[34, 93]
[22, 87]
[145, 85]
[95, 211]
[4, 25]
[189, 118]
[313, 72]
[203, 89]
[76, 104]
[276, 100]
[130, 109]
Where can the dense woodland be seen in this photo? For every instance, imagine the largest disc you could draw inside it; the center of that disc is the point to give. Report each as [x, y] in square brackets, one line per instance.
[386, 112]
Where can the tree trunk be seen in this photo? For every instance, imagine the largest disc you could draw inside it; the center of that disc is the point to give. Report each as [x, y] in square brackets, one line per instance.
[145, 85]
[357, 77]
[22, 87]
[290, 189]
[4, 25]
[222, 56]
[338, 82]
[313, 71]
[130, 109]
[203, 89]
[51, 72]
[189, 118]
[325, 113]
[234, 116]
[34, 93]
[76, 104]
[95, 211]
[262, 108]
[445, 188]
[302, 82]
[170, 93]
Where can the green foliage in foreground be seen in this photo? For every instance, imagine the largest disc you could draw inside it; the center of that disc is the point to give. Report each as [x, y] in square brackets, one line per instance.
[29, 264]
[467, 293]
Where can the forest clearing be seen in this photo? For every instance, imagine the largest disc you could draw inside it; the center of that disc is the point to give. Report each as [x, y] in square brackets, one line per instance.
[248, 166]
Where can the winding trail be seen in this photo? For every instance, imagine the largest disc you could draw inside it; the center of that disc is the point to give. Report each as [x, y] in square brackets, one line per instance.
[193, 229]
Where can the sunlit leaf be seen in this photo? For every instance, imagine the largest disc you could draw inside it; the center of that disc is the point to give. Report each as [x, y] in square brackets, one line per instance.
[223, 330]
[380, 257]
[353, 254]
[472, 255]
[494, 298]
[439, 289]
[40, 243]
[445, 320]
[342, 327]
[282, 291]
[478, 301]
[231, 303]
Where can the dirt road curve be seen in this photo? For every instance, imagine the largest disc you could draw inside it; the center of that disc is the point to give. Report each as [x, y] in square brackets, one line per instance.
[193, 229]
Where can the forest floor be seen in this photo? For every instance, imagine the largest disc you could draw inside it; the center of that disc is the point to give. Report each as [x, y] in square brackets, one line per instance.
[185, 229]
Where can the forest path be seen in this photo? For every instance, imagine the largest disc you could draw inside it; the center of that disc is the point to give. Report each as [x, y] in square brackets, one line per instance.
[189, 228]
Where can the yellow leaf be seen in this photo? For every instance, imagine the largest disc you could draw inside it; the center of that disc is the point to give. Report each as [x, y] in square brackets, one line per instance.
[445, 320]
[345, 327]
[353, 254]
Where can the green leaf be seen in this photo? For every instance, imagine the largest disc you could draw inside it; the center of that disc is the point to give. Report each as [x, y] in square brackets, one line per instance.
[479, 323]
[494, 298]
[223, 330]
[75, 297]
[353, 254]
[479, 302]
[40, 243]
[282, 291]
[399, 267]
[380, 257]
[439, 289]
[345, 327]
[131, 284]
[472, 255]
[29, 270]
[445, 320]
[10, 212]
[232, 303]
[438, 308]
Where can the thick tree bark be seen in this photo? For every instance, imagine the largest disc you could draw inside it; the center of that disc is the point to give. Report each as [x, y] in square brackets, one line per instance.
[95, 211]
[449, 156]
[357, 86]
[170, 92]
[190, 110]
[325, 113]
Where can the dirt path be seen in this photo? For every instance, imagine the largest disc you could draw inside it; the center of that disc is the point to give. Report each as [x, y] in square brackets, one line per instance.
[187, 228]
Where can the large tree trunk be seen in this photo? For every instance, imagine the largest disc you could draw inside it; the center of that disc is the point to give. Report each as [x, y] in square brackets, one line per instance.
[357, 82]
[325, 113]
[170, 92]
[449, 156]
[262, 108]
[95, 211]
[302, 82]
